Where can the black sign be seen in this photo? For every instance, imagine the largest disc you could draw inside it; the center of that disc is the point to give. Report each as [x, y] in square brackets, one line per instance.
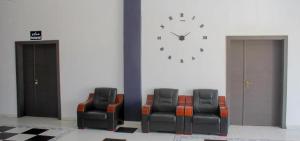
[35, 35]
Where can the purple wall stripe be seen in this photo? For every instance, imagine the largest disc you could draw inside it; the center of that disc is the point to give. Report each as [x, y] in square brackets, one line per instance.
[132, 60]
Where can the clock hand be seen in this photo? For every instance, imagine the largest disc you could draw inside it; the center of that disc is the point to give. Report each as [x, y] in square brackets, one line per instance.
[175, 34]
[187, 34]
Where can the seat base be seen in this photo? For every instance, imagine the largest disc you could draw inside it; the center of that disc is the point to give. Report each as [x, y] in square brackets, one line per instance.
[163, 127]
[206, 123]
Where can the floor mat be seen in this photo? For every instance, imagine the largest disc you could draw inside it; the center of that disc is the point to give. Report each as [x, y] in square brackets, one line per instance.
[126, 130]
[110, 139]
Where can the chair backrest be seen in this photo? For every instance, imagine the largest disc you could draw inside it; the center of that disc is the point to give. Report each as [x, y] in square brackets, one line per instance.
[165, 100]
[205, 101]
[103, 97]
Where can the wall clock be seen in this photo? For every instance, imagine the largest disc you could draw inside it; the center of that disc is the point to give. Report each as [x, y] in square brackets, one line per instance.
[176, 31]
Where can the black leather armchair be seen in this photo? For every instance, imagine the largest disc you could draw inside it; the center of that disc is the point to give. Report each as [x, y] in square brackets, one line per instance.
[206, 113]
[102, 110]
[163, 112]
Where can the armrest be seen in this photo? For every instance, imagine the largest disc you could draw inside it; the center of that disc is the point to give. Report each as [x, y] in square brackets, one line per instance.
[180, 111]
[181, 100]
[82, 106]
[188, 111]
[223, 112]
[223, 107]
[111, 108]
[189, 100]
[146, 110]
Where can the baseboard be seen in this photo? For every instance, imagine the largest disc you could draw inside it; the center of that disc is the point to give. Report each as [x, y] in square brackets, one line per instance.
[9, 115]
[292, 127]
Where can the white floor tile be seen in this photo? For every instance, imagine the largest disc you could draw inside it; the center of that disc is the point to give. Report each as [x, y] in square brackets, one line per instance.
[18, 130]
[52, 132]
[21, 137]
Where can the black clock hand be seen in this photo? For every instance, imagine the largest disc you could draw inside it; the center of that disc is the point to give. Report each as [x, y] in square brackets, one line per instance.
[175, 34]
[187, 34]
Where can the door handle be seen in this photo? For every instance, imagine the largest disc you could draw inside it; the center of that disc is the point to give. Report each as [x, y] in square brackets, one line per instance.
[36, 82]
[247, 83]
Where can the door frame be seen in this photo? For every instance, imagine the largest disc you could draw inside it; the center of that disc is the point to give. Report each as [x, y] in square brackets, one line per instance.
[283, 38]
[20, 78]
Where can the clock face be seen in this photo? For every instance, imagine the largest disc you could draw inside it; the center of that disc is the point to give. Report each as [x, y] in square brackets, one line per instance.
[183, 34]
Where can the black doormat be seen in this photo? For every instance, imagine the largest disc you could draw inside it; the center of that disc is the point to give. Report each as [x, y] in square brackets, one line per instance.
[126, 130]
[214, 140]
[110, 139]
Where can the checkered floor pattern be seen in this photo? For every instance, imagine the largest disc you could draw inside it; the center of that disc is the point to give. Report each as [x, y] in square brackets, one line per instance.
[26, 133]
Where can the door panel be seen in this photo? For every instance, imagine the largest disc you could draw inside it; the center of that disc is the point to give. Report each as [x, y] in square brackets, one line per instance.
[46, 73]
[255, 79]
[236, 82]
[262, 71]
[28, 72]
[40, 80]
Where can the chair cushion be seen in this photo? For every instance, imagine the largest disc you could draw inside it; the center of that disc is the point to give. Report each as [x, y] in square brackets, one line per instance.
[95, 114]
[163, 117]
[206, 118]
[103, 97]
[205, 101]
[165, 100]
[206, 124]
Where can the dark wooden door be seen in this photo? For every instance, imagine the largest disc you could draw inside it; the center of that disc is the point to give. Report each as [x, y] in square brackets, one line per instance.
[255, 82]
[45, 79]
[40, 80]
[28, 73]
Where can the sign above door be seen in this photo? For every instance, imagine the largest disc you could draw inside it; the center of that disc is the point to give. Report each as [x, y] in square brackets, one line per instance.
[35, 35]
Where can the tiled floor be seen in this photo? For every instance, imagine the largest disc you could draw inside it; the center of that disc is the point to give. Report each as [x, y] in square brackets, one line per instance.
[30, 133]
[236, 133]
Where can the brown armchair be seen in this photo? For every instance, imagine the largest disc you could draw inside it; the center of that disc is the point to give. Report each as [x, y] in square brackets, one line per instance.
[102, 110]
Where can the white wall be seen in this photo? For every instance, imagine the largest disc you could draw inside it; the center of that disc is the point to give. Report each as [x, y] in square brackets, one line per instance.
[222, 18]
[91, 45]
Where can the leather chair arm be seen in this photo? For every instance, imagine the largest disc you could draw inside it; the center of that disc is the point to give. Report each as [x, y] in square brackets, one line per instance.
[180, 111]
[111, 108]
[223, 107]
[188, 111]
[146, 110]
[83, 106]
[223, 111]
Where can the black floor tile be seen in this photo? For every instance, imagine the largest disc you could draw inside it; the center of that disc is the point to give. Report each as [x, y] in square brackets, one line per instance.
[5, 128]
[40, 138]
[126, 130]
[4, 136]
[110, 139]
[35, 131]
